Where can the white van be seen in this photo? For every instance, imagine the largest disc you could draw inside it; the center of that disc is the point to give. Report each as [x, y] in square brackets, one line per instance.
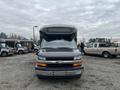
[5, 50]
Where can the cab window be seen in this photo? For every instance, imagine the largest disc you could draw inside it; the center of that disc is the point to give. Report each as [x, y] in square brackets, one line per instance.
[95, 45]
[104, 45]
[90, 45]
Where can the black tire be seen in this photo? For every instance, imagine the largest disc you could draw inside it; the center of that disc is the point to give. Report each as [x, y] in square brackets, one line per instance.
[20, 52]
[4, 54]
[106, 54]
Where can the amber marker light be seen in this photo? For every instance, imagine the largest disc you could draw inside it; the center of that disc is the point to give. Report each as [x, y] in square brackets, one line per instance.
[78, 64]
[41, 64]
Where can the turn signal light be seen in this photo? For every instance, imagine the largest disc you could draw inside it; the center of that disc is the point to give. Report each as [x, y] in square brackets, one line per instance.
[77, 64]
[41, 64]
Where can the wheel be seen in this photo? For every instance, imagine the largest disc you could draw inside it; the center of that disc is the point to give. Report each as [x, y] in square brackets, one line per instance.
[20, 52]
[4, 54]
[106, 54]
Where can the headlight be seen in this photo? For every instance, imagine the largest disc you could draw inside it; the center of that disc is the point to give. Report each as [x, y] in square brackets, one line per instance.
[41, 58]
[77, 58]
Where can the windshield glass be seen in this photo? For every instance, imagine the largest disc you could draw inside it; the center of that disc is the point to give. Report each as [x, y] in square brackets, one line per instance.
[3, 45]
[58, 44]
[19, 45]
[35, 45]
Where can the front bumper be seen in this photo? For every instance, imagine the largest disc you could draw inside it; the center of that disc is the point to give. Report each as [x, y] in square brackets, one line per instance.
[42, 72]
[10, 53]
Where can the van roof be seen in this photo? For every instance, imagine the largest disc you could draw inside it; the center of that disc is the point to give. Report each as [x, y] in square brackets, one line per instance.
[60, 29]
[58, 32]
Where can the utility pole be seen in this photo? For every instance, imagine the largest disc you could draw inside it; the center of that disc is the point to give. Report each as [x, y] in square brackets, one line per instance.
[34, 33]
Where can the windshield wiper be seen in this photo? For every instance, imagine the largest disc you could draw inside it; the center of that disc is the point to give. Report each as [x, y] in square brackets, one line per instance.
[48, 48]
[56, 48]
[64, 48]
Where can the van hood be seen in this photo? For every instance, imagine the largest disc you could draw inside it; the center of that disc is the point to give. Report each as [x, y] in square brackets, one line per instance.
[73, 53]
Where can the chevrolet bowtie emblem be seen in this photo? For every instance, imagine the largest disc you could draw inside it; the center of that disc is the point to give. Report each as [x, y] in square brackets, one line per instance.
[59, 62]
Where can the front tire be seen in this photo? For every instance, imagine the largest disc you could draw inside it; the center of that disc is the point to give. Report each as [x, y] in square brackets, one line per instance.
[106, 54]
[4, 54]
[20, 52]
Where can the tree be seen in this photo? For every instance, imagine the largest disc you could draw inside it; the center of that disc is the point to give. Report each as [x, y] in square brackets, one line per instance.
[14, 36]
[3, 35]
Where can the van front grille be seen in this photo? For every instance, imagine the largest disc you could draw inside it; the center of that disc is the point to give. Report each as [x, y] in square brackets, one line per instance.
[59, 58]
[59, 65]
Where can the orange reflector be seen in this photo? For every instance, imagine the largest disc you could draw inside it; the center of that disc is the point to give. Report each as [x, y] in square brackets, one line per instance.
[77, 64]
[41, 64]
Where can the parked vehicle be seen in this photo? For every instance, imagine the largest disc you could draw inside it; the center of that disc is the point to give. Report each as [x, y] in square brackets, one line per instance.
[14, 43]
[116, 44]
[58, 55]
[5, 50]
[30, 45]
[36, 48]
[104, 49]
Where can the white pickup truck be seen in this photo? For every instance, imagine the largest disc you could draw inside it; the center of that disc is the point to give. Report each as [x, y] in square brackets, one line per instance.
[106, 50]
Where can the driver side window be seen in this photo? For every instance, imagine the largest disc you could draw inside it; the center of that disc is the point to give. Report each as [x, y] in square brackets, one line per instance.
[89, 45]
[95, 45]
[0, 47]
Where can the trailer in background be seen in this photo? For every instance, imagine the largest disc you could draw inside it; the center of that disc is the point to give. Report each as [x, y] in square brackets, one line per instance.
[4, 49]
[31, 46]
[14, 43]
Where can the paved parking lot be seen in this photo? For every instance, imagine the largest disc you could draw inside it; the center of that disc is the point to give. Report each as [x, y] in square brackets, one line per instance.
[17, 73]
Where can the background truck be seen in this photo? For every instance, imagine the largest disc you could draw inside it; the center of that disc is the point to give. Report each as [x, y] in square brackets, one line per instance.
[58, 55]
[104, 49]
[32, 47]
[5, 50]
[14, 43]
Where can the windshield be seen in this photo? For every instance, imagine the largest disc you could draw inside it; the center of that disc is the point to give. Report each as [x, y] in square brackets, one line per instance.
[35, 45]
[19, 45]
[58, 44]
[3, 45]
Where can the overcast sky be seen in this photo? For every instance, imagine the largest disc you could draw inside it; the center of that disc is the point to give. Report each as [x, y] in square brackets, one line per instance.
[93, 18]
